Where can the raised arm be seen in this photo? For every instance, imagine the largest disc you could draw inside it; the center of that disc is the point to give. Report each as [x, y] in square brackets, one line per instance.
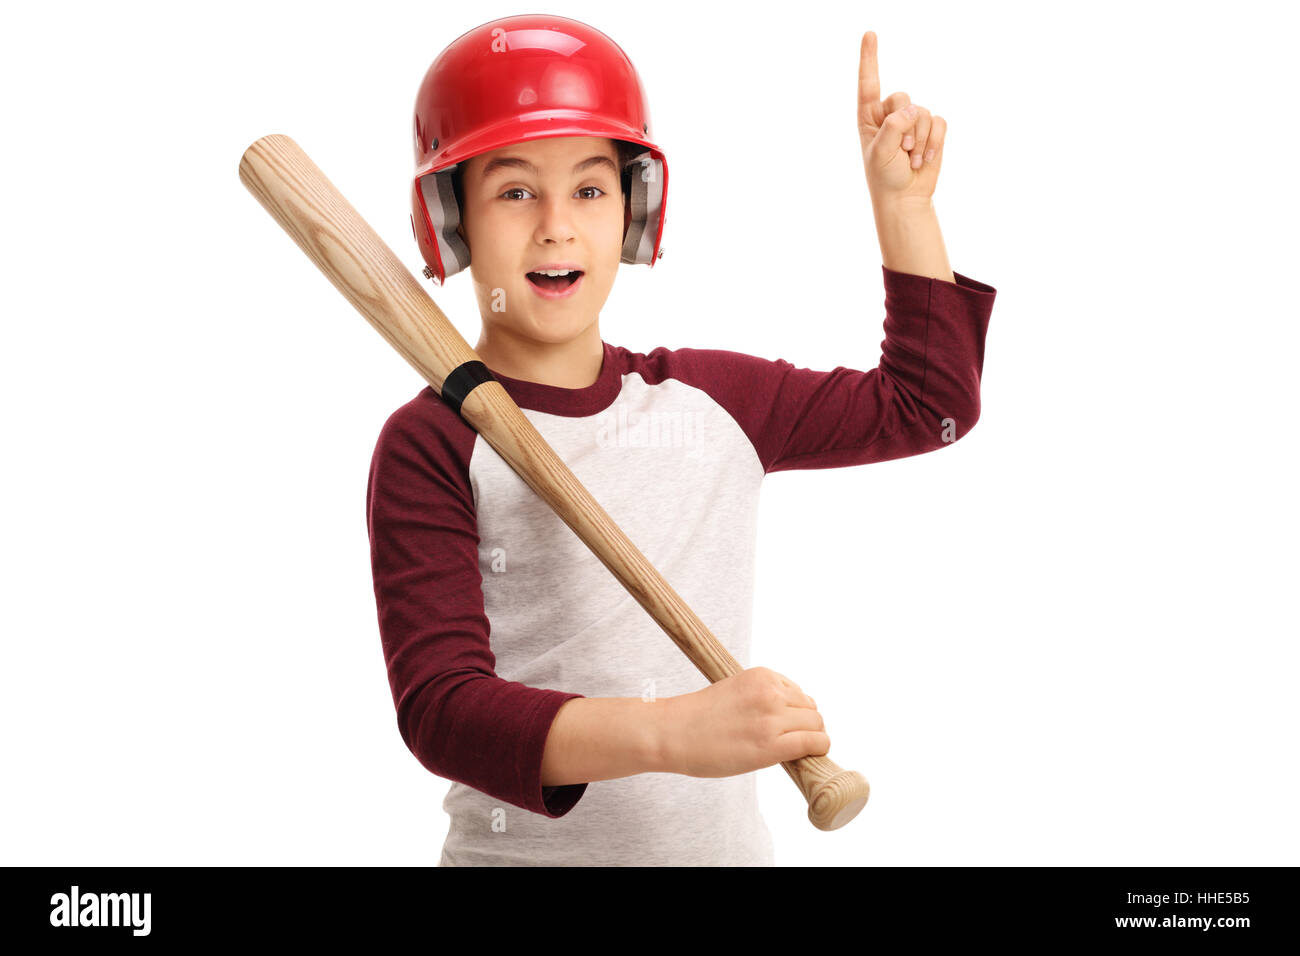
[924, 394]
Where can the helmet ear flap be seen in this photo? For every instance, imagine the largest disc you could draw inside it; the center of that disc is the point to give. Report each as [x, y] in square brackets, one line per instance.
[437, 193]
[647, 179]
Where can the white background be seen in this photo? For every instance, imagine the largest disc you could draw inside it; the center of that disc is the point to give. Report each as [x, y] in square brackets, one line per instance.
[1068, 639]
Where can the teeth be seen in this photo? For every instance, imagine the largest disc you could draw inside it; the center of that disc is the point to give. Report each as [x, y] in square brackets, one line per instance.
[555, 272]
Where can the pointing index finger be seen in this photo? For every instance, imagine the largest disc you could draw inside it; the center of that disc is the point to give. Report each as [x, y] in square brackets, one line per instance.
[868, 72]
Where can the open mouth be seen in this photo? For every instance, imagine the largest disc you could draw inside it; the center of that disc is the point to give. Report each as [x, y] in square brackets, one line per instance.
[554, 285]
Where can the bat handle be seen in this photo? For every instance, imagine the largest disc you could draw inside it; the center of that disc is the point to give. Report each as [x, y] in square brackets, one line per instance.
[834, 795]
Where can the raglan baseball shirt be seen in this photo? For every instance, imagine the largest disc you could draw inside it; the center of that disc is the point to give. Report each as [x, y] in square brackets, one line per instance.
[493, 613]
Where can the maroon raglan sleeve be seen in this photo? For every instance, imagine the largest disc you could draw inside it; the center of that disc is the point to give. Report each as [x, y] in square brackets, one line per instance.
[459, 719]
[924, 394]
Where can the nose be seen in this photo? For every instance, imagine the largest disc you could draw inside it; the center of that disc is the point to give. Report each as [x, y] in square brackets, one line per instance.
[555, 222]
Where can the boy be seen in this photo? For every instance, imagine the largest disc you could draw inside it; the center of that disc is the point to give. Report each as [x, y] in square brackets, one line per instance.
[520, 668]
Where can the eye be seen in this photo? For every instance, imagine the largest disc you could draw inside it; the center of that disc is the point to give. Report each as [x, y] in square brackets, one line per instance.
[516, 189]
[597, 188]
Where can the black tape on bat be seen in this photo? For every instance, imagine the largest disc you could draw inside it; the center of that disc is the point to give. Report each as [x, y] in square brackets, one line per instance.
[463, 379]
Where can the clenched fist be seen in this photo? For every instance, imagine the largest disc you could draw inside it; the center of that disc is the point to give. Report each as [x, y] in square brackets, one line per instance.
[745, 722]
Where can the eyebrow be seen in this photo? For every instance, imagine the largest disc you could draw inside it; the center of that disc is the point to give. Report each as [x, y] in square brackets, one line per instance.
[504, 162]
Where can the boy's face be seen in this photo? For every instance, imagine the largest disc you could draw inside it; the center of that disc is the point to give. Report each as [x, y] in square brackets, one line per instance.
[554, 202]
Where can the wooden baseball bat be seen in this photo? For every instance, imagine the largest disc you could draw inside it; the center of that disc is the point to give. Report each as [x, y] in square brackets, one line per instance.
[353, 257]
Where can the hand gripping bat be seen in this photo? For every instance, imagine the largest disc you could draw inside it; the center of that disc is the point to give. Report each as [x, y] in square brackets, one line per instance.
[353, 257]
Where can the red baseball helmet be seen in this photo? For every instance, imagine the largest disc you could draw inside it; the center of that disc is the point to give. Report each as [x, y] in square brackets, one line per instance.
[517, 79]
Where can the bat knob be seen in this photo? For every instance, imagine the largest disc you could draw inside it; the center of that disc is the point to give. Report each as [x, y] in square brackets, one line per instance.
[834, 795]
[838, 799]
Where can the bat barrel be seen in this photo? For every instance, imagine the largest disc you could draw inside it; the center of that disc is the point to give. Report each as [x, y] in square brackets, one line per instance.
[299, 196]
